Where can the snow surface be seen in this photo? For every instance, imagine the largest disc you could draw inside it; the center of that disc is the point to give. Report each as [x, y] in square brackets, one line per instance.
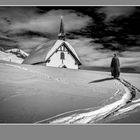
[92, 116]
[115, 108]
[33, 94]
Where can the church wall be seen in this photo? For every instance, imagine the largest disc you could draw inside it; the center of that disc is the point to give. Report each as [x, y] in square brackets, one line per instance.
[69, 61]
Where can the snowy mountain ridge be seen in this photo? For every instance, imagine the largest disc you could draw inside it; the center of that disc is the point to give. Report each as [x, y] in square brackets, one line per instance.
[10, 57]
[17, 52]
[13, 55]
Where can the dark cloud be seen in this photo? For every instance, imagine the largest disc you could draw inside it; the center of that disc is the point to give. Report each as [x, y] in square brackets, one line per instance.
[112, 12]
[96, 32]
[49, 22]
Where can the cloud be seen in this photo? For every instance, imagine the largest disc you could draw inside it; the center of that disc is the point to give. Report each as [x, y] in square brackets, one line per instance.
[130, 58]
[17, 22]
[28, 28]
[113, 12]
[12, 15]
[29, 44]
[88, 52]
[91, 55]
[50, 21]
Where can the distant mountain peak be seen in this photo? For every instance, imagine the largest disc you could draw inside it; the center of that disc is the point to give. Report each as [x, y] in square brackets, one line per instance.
[18, 52]
[10, 57]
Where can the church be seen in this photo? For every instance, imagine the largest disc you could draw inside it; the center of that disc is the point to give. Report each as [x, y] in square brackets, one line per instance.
[55, 53]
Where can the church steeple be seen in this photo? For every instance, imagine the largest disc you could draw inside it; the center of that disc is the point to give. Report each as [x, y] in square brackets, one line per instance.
[61, 34]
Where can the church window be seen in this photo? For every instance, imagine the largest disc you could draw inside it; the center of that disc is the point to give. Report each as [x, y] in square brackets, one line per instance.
[62, 55]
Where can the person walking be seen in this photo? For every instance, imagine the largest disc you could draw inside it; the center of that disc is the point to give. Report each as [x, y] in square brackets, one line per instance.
[115, 66]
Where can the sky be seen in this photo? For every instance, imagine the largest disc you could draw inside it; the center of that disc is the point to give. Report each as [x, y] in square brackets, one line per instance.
[95, 32]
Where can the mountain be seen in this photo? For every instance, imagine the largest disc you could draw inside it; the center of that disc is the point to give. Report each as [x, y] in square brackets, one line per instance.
[13, 55]
[18, 52]
[10, 57]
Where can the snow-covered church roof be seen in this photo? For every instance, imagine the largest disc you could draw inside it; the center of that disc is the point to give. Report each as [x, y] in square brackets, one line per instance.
[44, 51]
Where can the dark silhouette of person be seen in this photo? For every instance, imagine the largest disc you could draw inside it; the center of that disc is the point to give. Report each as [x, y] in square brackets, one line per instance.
[115, 66]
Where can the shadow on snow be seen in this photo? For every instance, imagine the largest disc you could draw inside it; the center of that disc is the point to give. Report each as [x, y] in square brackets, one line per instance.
[101, 80]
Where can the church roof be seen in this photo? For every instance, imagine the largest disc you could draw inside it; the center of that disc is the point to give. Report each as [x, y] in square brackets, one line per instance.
[39, 53]
[61, 34]
[44, 51]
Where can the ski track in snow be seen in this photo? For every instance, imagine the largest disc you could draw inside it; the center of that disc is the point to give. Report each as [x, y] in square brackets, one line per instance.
[59, 115]
[99, 114]
[127, 109]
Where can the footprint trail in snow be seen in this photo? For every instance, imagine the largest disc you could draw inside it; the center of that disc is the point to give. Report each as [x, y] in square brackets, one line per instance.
[114, 108]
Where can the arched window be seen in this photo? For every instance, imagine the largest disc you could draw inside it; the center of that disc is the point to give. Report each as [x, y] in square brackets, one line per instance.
[62, 55]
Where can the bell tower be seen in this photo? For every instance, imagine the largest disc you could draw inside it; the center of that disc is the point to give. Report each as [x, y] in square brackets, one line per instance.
[61, 34]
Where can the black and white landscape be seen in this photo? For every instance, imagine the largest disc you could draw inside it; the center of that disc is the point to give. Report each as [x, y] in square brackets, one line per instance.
[34, 92]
